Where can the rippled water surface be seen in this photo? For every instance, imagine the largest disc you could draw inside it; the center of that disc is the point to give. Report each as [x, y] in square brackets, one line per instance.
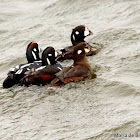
[95, 109]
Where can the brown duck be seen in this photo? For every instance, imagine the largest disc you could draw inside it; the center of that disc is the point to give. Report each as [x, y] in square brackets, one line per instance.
[80, 70]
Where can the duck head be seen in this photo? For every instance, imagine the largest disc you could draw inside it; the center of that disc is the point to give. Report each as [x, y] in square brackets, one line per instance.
[79, 33]
[32, 52]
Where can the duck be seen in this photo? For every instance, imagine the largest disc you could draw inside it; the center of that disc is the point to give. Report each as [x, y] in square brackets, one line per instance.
[46, 72]
[33, 61]
[80, 69]
[78, 35]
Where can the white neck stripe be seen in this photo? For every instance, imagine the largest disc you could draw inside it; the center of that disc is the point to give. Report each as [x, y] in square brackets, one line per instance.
[34, 55]
[48, 61]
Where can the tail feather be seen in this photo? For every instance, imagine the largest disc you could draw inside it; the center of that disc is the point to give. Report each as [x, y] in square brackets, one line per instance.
[56, 82]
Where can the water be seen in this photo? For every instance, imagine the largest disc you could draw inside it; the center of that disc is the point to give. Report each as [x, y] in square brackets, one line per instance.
[89, 110]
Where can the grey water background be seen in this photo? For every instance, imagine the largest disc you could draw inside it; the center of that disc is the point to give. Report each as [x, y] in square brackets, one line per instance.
[89, 110]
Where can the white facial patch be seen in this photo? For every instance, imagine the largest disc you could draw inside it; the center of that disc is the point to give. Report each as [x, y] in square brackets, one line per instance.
[56, 54]
[79, 51]
[87, 50]
[49, 54]
[86, 32]
[48, 61]
[77, 33]
[73, 37]
[34, 55]
[35, 49]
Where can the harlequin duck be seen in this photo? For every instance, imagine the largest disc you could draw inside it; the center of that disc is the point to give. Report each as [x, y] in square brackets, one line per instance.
[15, 74]
[45, 73]
[32, 52]
[80, 70]
[77, 36]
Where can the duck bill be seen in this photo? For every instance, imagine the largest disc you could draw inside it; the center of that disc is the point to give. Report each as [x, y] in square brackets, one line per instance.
[90, 33]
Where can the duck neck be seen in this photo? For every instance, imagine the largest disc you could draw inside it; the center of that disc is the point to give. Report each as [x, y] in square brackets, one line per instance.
[82, 61]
